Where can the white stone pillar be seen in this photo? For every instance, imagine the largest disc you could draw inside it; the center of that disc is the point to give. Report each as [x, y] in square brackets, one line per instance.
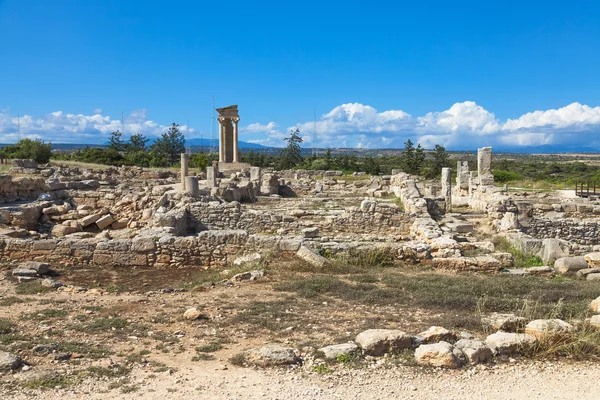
[235, 141]
[221, 141]
[447, 187]
[211, 177]
[191, 185]
[484, 166]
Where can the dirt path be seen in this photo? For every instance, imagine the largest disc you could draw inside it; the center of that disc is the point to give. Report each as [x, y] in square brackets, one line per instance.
[212, 381]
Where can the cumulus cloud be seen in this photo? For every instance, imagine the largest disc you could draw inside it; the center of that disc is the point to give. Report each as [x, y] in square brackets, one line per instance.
[464, 125]
[61, 127]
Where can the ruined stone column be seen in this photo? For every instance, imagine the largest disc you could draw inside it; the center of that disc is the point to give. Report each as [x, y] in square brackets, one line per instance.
[191, 185]
[462, 175]
[221, 140]
[211, 177]
[184, 168]
[235, 140]
[484, 166]
[447, 187]
[473, 182]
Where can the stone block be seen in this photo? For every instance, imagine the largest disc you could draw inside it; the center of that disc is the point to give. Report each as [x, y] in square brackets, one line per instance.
[105, 221]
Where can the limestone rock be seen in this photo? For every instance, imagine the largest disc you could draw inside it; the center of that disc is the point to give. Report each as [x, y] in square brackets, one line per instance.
[436, 334]
[541, 327]
[248, 276]
[593, 277]
[105, 221]
[583, 273]
[503, 322]
[569, 265]
[334, 351]
[271, 355]
[191, 314]
[9, 361]
[63, 230]
[592, 259]
[475, 351]
[39, 267]
[247, 260]
[509, 343]
[377, 342]
[437, 355]
[553, 249]
[310, 233]
[595, 321]
[311, 257]
[595, 305]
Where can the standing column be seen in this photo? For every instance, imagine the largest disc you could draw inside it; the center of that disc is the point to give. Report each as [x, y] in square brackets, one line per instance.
[221, 142]
[184, 169]
[447, 187]
[235, 141]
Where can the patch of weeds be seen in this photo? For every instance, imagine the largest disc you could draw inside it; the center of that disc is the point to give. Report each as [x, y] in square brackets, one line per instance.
[129, 389]
[165, 337]
[581, 344]
[209, 348]
[48, 313]
[405, 357]
[364, 278]
[50, 382]
[239, 359]
[321, 369]
[159, 367]
[12, 300]
[106, 325]
[32, 287]
[93, 308]
[6, 326]
[90, 351]
[522, 260]
[203, 357]
[145, 352]
[109, 372]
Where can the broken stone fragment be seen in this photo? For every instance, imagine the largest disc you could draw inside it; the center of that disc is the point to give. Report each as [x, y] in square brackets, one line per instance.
[475, 351]
[436, 334]
[311, 257]
[437, 355]
[192, 314]
[271, 355]
[104, 222]
[377, 342]
[542, 327]
[509, 343]
[334, 351]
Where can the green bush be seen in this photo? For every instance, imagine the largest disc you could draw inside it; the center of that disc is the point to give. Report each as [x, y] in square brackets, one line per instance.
[505, 176]
[31, 149]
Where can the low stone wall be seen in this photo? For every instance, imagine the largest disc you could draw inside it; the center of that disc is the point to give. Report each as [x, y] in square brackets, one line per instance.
[21, 188]
[584, 232]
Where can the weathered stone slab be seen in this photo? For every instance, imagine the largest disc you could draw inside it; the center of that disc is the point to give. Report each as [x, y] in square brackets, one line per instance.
[377, 342]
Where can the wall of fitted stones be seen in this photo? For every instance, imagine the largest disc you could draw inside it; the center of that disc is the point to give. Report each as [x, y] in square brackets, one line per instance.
[20, 188]
[585, 232]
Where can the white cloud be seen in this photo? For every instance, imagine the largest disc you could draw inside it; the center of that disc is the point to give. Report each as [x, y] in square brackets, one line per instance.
[465, 117]
[574, 117]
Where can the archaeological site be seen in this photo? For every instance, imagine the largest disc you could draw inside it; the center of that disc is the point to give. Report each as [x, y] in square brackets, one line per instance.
[144, 281]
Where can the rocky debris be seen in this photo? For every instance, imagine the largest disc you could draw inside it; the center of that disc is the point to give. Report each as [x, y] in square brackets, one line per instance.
[311, 257]
[248, 276]
[503, 322]
[192, 314]
[310, 233]
[436, 334]
[542, 327]
[105, 221]
[9, 361]
[595, 305]
[249, 259]
[44, 348]
[31, 269]
[569, 265]
[475, 351]
[593, 260]
[584, 273]
[334, 351]
[437, 355]
[377, 342]
[509, 343]
[595, 321]
[553, 249]
[271, 355]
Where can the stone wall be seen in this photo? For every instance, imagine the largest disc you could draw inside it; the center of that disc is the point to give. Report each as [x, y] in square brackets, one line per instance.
[20, 188]
[581, 231]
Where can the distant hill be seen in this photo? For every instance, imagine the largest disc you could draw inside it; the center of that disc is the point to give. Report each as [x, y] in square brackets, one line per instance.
[243, 145]
[546, 149]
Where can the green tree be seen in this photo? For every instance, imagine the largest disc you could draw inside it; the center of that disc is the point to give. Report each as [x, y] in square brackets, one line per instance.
[115, 142]
[199, 160]
[408, 157]
[291, 155]
[137, 142]
[36, 150]
[441, 159]
[168, 148]
[328, 159]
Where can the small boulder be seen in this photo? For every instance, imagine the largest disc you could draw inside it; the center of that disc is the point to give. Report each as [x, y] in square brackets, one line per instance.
[436, 334]
[595, 305]
[247, 260]
[509, 343]
[9, 361]
[377, 342]
[105, 221]
[592, 259]
[39, 267]
[475, 351]
[311, 257]
[310, 233]
[271, 355]
[30, 273]
[437, 355]
[595, 321]
[248, 276]
[192, 314]
[542, 327]
[503, 322]
[334, 351]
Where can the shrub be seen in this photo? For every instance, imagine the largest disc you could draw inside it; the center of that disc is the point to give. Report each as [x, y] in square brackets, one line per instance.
[27, 148]
[505, 176]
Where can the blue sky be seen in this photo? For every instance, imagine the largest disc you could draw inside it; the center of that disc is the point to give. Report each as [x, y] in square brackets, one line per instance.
[460, 73]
